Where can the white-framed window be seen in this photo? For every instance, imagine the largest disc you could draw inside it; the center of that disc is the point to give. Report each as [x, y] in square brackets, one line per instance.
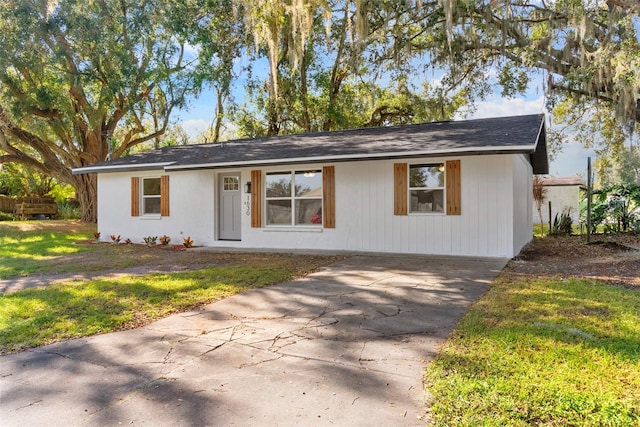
[230, 183]
[426, 188]
[151, 196]
[294, 198]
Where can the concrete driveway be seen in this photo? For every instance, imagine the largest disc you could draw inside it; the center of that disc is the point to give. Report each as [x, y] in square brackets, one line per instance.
[345, 346]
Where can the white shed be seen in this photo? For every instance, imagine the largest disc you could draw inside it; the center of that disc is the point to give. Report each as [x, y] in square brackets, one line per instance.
[564, 194]
[446, 188]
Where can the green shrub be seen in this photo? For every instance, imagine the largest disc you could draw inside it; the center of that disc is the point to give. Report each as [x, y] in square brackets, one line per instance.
[4, 216]
[563, 224]
[67, 210]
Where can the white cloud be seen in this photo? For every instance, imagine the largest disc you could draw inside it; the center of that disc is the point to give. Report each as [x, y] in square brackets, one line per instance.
[194, 126]
[571, 160]
[191, 50]
[501, 107]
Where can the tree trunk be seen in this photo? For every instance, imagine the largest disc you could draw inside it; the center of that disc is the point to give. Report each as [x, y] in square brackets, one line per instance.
[219, 115]
[273, 117]
[87, 195]
[337, 75]
[304, 93]
[541, 220]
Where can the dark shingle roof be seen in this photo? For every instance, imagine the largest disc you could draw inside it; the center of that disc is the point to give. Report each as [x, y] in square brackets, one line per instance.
[517, 134]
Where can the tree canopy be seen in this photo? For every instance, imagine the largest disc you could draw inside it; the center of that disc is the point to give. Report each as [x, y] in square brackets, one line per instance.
[588, 53]
[84, 81]
[324, 74]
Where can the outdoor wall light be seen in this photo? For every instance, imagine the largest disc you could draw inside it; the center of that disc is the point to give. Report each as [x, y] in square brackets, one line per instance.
[247, 187]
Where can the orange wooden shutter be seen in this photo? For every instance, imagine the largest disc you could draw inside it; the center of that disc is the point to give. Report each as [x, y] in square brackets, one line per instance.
[256, 198]
[164, 195]
[135, 196]
[453, 187]
[400, 188]
[329, 197]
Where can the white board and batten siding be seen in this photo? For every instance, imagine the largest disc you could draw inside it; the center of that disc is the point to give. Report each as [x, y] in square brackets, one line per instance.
[523, 203]
[495, 218]
[191, 202]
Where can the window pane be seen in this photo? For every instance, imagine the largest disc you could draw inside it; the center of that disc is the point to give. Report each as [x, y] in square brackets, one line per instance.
[309, 183]
[279, 184]
[279, 212]
[427, 200]
[430, 176]
[308, 211]
[151, 205]
[231, 183]
[151, 186]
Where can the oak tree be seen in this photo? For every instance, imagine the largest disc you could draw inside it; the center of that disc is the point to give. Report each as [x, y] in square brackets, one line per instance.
[81, 82]
[587, 52]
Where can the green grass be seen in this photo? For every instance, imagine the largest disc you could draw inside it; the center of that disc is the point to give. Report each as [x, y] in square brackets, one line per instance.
[34, 246]
[543, 230]
[39, 316]
[538, 230]
[549, 352]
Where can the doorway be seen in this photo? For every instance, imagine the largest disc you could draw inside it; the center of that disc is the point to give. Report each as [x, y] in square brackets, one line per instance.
[229, 196]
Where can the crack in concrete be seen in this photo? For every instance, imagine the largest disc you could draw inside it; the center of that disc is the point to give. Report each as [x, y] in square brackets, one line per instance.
[149, 383]
[249, 365]
[166, 356]
[188, 315]
[364, 344]
[397, 313]
[275, 339]
[291, 335]
[181, 340]
[28, 405]
[233, 329]
[383, 279]
[325, 310]
[65, 356]
[214, 348]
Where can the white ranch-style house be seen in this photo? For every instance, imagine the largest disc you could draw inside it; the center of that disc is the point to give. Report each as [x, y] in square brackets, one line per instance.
[447, 188]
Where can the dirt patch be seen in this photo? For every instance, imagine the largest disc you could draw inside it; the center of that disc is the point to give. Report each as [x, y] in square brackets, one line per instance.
[614, 258]
[53, 226]
[105, 260]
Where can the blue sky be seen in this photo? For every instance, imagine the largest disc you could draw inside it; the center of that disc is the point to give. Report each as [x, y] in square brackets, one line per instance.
[571, 161]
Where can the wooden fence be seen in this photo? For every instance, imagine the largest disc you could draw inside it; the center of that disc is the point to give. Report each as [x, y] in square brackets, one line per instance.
[26, 207]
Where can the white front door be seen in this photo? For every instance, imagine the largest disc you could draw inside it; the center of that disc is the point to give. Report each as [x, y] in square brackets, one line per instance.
[229, 206]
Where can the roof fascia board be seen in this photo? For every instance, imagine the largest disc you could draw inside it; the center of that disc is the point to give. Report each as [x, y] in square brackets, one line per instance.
[120, 168]
[541, 137]
[540, 129]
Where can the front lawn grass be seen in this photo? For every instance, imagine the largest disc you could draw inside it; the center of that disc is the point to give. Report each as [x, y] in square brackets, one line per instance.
[38, 316]
[545, 352]
[28, 247]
